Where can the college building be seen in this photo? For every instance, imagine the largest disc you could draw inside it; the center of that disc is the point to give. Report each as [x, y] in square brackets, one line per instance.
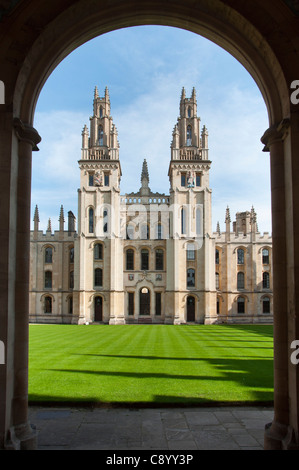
[147, 257]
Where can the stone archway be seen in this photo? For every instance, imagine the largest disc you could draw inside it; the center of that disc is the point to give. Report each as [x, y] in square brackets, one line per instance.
[35, 37]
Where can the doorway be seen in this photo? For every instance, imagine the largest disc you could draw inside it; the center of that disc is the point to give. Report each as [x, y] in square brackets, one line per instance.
[98, 309]
[190, 309]
[144, 302]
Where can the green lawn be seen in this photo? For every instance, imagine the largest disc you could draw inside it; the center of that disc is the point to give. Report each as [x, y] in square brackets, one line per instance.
[151, 364]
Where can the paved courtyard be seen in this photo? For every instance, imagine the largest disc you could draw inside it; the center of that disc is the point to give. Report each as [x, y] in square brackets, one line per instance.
[151, 429]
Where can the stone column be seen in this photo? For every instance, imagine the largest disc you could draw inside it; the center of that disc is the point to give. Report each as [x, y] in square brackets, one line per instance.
[22, 436]
[276, 140]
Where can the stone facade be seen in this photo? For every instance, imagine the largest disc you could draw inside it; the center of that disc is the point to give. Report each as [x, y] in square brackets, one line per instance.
[146, 257]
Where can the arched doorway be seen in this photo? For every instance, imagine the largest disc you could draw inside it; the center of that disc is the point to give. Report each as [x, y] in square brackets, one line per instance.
[98, 309]
[269, 53]
[144, 301]
[190, 308]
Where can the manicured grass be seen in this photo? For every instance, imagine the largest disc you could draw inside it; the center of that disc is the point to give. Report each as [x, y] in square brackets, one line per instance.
[151, 364]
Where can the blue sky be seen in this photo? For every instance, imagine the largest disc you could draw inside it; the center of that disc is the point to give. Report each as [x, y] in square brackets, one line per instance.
[145, 69]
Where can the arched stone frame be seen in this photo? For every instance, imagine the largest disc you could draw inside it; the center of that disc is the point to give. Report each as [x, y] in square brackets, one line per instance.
[246, 302]
[163, 249]
[43, 302]
[260, 252]
[242, 32]
[136, 258]
[184, 305]
[43, 251]
[263, 297]
[87, 218]
[70, 304]
[91, 301]
[219, 299]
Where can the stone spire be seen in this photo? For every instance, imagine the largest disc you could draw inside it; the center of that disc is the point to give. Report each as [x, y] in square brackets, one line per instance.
[218, 228]
[96, 92]
[49, 228]
[145, 190]
[227, 224]
[61, 219]
[36, 222]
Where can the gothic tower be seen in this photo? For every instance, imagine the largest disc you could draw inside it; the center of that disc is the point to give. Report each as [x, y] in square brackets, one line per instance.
[193, 281]
[98, 220]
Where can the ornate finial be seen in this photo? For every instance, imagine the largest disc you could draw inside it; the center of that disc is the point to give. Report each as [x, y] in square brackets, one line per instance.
[144, 173]
[227, 215]
[96, 92]
[36, 215]
[49, 228]
[107, 94]
[61, 215]
[218, 228]
[183, 95]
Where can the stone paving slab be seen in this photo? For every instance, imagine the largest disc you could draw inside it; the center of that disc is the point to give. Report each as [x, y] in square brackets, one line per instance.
[145, 429]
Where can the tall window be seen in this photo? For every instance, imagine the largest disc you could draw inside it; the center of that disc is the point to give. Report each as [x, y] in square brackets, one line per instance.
[190, 252]
[190, 278]
[90, 220]
[72, 280]
[265, 256]
[240, 256]
[183, 179]
[101, 136]
[158, 303]
[98, 277]
[91, 179]
[189, 136]
[217, 257]
[48, 255]
[48, 280]
[183, 221]
[159, 260]
[144, 260]
[266, 280]
[241, 281]
[144, 232]
[71, 304]
[130, 260]
[48, 305]
[106, 179]
[241, 305]
[98, 251]
[198, 179]
[105, 221]
[266, 305]
[72, 255]
[131, 303]
[159, 231]
[217, 281]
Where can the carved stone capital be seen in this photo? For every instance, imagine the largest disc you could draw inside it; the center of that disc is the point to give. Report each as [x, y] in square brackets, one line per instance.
[276, 133]
[27, 133]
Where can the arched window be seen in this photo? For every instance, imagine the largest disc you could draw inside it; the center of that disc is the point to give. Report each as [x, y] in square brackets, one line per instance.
[48, 255]
[98, 251]
[48, 305]
[189, 136]
[130, 260]
[91, 220]
[266, 280]
[189, 111]
[190, 278]
[217, 257]
[98, 277]
[241, 305]
[240, 256]
[266, 305]
[159, 260]
[240, 281]
[144, 260]
[48, 280]
[101, 111]
[101, 136]
[265, 256]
